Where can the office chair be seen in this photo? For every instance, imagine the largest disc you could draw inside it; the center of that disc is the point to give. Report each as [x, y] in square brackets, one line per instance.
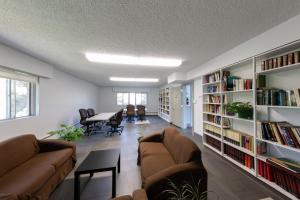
[91, 113]
[130, 113]
[141, 112]
[83, 116]
[115, 123]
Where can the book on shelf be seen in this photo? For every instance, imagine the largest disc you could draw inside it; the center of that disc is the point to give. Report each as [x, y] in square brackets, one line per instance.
[261, 148]
[286, 163]
[278, 97]
[276, 170]
[280, 132]
[211, 78]
[214, 119]
[261, 81]
[280, 61]
[213, 99]
[235, 83]
[239, 156]
[213, 108]
[213, 88]
[214, 130]
[213, 142]
[238, 138]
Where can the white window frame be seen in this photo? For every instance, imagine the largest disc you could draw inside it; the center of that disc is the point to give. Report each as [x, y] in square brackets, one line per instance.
[135, 98]
[11, 77]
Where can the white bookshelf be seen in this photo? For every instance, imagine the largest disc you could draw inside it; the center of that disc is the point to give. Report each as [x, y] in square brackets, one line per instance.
[287, 77]
[164, 103]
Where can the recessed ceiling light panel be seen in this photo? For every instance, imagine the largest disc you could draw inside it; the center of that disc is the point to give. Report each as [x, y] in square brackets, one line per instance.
[133, 60]
[123, 79]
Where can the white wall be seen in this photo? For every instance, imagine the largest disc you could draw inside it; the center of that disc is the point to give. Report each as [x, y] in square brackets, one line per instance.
[15, 59]
[108, 99]
[198, 101]
[60, 96]
[282, 34]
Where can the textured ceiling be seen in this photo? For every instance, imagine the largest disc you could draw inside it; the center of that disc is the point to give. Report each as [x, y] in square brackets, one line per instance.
[60, 31]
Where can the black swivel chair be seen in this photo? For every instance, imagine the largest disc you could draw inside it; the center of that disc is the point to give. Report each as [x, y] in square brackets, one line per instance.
[91, 113]
[115, 123]
[83, 116]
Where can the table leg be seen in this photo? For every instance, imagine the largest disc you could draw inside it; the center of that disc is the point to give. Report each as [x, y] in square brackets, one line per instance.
[77, 187]
[91, 175]
[114, 182]
[119, 164]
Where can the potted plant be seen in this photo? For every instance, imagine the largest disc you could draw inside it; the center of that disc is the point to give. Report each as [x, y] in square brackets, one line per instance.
[186, 191]
[244, 110]
[68, 132]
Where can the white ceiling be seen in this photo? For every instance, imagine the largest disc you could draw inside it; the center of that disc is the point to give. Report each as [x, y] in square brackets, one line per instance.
[59, 32]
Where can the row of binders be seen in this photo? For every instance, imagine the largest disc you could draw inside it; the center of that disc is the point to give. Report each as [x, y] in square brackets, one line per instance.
[239, 156]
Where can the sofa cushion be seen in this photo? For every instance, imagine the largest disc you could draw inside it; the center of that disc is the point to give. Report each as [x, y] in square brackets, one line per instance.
[16, 151]
[180, 147]
[26, 179]
[54, 158]
[152, 148]
[152, 164]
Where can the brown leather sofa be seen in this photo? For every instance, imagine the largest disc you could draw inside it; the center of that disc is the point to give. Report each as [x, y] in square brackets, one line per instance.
[136, 195]
[169, 156]
[30, 169]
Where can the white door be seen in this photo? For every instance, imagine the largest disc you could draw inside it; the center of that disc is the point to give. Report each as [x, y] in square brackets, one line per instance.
[176, 105]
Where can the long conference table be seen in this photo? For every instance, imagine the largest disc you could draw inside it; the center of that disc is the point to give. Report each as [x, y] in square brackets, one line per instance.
[101, 117]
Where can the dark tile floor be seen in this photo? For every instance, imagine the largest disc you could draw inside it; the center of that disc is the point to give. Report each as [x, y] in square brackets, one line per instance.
[225, 180]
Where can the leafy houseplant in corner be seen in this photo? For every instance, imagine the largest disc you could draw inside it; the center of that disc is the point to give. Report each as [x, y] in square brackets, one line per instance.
[244, 110]
[186, 191]
[68, 132]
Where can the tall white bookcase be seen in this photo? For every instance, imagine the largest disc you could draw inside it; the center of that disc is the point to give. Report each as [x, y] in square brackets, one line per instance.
[286, 77]
[164, 103]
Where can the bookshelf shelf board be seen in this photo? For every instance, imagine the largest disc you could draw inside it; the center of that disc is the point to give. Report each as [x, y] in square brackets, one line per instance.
[212, 148]
[280, 107]
[207, 93]
[262, 158]
[251, 171]
[213, 136]
[237, 118]
[280, 145]
[237, 91]
[214, 124]
[210, 113]
[208, 103]
[212, 83]
[250, 153]
[280, 69]
[277, 187]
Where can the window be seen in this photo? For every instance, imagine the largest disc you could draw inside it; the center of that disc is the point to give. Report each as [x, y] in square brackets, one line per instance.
[17, 95]
[122, 98]
[133, 98]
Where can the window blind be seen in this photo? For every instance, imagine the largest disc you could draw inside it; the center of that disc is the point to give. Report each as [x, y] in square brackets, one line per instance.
[17, 75]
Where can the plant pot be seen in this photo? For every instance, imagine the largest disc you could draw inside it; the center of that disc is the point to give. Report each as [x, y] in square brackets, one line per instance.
[245, 115]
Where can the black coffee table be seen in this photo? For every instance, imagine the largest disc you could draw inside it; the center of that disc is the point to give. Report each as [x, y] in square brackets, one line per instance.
[98, 161]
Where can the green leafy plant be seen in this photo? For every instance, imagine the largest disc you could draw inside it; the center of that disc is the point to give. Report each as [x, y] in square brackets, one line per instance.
[244, 110]
[185, 191]
[68, 132]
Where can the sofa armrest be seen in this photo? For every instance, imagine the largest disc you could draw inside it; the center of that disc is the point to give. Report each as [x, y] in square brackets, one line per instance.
[156, 185]
[8, 196]
[56, 144]
[154, 137]
[139, 195]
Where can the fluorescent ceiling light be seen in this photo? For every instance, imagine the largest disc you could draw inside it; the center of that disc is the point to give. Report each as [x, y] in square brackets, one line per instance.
[122, 79]
[133, 60]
